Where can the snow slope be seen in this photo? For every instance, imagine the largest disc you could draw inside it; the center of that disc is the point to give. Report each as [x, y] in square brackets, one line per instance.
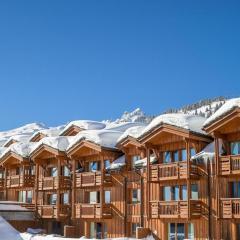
[7, 232]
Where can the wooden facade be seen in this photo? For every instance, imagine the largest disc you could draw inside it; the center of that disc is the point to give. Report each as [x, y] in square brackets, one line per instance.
[159, 188]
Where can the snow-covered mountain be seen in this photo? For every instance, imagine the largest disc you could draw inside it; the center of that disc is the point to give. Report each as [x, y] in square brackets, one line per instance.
[203, 108]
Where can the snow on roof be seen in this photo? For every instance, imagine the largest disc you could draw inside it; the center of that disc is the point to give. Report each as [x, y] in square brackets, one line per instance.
[227, 107]
[84, 124]
[118, 163]
[143, 162]
[7, 231]
[12, 207]
[50, 132]
[60, 143]
[122, 127]
[18, 138]
[134, 132]
[23, 149]
[190, 122]
[104, 138]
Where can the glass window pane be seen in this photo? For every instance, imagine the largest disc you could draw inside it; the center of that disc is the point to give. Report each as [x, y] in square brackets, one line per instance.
[192, 152]
[136, 195]
[180, 231]
[93, 197]
[194, 191]
[65, 198]
[171, 231]
[66, 171]
[107, 164]
[92, 230]
[184, 192]
[134, 159]
[99, 230]
[53, 172]
[167, 157]
[134, 228]
[176, 193]
[167, 193]
[235, 148]
[107, 196]
[190, 231]
[29, 196]
[184, 155]
[175, 155]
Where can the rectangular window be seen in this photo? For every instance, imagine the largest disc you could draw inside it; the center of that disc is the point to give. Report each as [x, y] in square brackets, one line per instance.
[176, 231]
[175, 155]
[194, 191]
[175, 191]
[94, 197]
[65, 198]
[92, 230]
[235, 190]
[53, 199]
[184, 155]
[66, 171]
[29, 197]
[99, 230]
[107, 195]
[107, 164]
[136, 195]
[184, 192]
[192, 152]
[190, 231]
[235, 148]
[53, 172]
[134, 159]
[134, 229]
[167, 157]
[167, 193]
[94, 166]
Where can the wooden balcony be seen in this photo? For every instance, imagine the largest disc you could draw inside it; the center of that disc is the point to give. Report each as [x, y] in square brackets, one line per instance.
[52, 211]
[16, 181]
[175, 209]
[230, 208]
[229, 165]
[91, 179]
[92, 211]
[133, 210]
[172, 171]
[52, 183]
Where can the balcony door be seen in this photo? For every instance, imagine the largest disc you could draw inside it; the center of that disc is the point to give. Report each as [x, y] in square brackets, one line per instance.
[98, 230]
[180, 231]
[234, 189]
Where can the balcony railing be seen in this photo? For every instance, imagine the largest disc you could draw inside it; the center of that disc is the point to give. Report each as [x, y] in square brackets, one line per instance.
[16, 181]
[172, 171]
[229, 164]
[91, 179]
[175, 209]
[52, 183]
[88, 210]
[230, 207]
[134, 210]
[1, 183]
[52, 211]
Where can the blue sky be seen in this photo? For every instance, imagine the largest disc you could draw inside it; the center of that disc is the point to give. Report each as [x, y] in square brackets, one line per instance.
[65, 60]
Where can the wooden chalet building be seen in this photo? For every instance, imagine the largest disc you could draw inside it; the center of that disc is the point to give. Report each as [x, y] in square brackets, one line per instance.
[175, 178]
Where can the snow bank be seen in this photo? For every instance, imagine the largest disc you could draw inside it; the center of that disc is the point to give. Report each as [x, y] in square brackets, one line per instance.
[132, 132]
[227, 107]
[84, 124]
[104, 138]
[7, 232]
[186, 121]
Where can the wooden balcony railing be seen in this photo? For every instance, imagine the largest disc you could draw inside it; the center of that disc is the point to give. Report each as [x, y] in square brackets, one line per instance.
[230, 207]
[91, 179]
[172, 171]
[52, 211]
[229, 164]
[134, 209]
[88, 210]
[51, 183]
[1, 183]
[175, 209]
[15, 181]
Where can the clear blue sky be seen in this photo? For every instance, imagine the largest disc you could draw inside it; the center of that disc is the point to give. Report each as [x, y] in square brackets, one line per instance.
[65, 60]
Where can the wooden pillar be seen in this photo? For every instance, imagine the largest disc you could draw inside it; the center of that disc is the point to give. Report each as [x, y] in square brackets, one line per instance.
[101, 187]
[5, 183]
[58, 185]
[148, 183]
[36, 186]
[73, 187]
[188, 177]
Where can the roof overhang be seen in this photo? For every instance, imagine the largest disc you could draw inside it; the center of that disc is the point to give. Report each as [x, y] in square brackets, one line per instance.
[72, 130]
[11, 158]
[37, 137]
[129, 141]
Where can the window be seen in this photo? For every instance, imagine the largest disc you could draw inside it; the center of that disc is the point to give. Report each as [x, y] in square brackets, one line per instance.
[94, 197]
[134, 228]
[167, 157]
[192, 152]
[53, 199]
[184, 192]
[29, 197]
[194, 191]
[136, 195]
[234, 190]
[94, 166]
[65, 198]
[175, 191]
[184, 155]
[66, 171]
[107, 195]
[190, 231]
[134, 159]
[53, 172]
[176, 231]
[167, 193]
[175, 156]
[107, 164]
[92, 230]
[235, 148]
[96, 230]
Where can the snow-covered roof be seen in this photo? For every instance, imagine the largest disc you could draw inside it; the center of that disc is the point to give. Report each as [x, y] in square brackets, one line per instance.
[190, 122]
[123, 126]
[49, 132]
[143, 162]
[84, 124]
[105, 138]
[118, 163]
[18, 138]
[134, 132]
[60, 143]
[227, 107]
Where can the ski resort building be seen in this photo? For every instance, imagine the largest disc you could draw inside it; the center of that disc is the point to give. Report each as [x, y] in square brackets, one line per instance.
[177, 177]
